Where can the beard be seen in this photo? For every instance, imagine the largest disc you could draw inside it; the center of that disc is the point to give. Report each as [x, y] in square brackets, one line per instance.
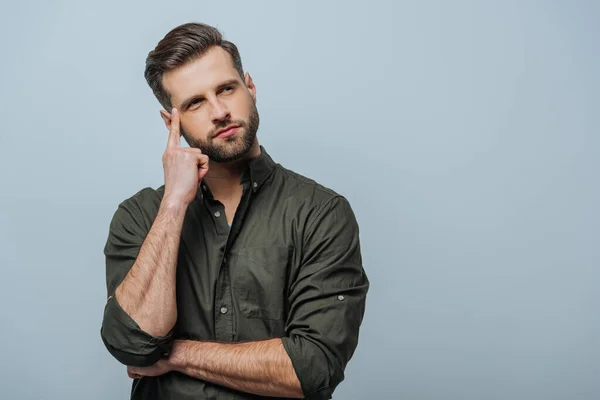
[233, 147]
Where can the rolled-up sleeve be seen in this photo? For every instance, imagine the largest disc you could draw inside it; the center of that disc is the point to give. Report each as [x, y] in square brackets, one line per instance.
[327, 300]
[121, 335]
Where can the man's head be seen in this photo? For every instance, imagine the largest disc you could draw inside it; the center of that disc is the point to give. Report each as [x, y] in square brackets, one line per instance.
[194, 70]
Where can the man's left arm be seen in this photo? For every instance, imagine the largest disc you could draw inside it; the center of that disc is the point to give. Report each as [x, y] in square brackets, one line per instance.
[258, 367]
[327, 303]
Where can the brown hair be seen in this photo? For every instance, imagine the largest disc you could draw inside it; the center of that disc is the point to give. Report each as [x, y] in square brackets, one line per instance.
[181, 45]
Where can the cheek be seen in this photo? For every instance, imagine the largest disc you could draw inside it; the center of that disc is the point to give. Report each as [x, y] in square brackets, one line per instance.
[197, 124]
[241, 108]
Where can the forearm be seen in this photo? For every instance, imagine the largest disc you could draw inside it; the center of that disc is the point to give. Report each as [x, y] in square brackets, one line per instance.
[260, 367]
[147, 293]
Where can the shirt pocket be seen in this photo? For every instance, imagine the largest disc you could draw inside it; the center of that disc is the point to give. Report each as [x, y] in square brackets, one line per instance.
[259, 279]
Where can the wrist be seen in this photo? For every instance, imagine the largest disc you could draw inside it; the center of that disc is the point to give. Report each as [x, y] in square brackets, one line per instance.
[177, 359]
[169, 204]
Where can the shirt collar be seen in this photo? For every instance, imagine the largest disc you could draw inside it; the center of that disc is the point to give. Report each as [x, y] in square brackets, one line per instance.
[257, 172]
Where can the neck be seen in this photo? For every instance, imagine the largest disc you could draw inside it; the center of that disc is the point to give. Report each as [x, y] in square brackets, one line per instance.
[224, 178]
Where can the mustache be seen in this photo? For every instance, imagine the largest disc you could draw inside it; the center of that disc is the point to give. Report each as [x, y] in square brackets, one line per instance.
[223, 124]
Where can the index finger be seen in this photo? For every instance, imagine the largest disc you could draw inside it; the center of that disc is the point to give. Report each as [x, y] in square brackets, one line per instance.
[174, 130]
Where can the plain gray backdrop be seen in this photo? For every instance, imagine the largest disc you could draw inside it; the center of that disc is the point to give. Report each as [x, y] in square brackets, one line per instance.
[464, 134]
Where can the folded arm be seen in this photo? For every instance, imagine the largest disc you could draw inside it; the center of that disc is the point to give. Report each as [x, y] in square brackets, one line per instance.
[258, 367]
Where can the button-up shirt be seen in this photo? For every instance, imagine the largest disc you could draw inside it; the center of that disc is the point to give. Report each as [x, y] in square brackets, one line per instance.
[289, 267]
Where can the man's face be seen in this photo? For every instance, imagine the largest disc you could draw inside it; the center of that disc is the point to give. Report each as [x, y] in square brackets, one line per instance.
[211, 96]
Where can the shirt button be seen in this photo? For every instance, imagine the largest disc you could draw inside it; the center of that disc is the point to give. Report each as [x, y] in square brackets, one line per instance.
[217, 214]
[204, 187]
[340, 297]
[223, 310]
[255, 184]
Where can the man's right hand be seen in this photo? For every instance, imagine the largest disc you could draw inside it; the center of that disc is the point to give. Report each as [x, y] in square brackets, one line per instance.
[184, 167]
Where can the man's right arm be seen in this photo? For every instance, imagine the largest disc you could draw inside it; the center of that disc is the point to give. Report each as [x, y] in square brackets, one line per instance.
[147, 294]
[141, 279]
[141, 263]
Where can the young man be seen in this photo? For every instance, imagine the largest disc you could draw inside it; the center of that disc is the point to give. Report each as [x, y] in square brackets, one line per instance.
[237, 278]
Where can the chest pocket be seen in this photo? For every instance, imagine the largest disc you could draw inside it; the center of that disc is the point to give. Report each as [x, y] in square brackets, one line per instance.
[259, 280]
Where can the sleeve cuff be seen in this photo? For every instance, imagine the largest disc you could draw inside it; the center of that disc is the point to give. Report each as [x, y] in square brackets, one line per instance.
[127, 342]
[310, 366]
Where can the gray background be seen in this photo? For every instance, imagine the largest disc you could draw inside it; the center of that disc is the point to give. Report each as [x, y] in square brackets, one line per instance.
[464, 134]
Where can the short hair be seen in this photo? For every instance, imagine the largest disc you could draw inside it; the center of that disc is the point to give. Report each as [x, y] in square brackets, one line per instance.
[180, 46]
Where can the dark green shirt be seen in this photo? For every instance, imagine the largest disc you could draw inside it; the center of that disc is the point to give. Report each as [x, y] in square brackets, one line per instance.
[289, 267]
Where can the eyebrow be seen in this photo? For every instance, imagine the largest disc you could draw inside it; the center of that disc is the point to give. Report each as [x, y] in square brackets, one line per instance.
[186, 102]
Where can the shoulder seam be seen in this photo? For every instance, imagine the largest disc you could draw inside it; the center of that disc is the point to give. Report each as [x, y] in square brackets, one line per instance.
[308, 181]
[320, 210]
[133, 200]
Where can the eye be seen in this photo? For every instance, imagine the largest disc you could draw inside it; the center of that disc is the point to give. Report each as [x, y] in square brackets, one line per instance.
[227, 89]
[194, 102]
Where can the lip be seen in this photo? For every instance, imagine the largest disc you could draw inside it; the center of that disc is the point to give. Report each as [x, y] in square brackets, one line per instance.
[227, 131]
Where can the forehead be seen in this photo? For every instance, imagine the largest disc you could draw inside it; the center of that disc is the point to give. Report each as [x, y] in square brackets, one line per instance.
[200, 75]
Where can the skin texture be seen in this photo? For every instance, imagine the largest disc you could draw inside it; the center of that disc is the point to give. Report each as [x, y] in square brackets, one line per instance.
[208, 95]
[254, 367]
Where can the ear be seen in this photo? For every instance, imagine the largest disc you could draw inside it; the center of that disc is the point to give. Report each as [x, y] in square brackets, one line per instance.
[250, 85]
[167, 118]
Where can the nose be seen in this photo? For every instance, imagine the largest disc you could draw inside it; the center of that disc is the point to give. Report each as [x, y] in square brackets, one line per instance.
[219, 111]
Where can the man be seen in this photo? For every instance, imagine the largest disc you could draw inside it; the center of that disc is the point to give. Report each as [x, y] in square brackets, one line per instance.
[237, 278]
